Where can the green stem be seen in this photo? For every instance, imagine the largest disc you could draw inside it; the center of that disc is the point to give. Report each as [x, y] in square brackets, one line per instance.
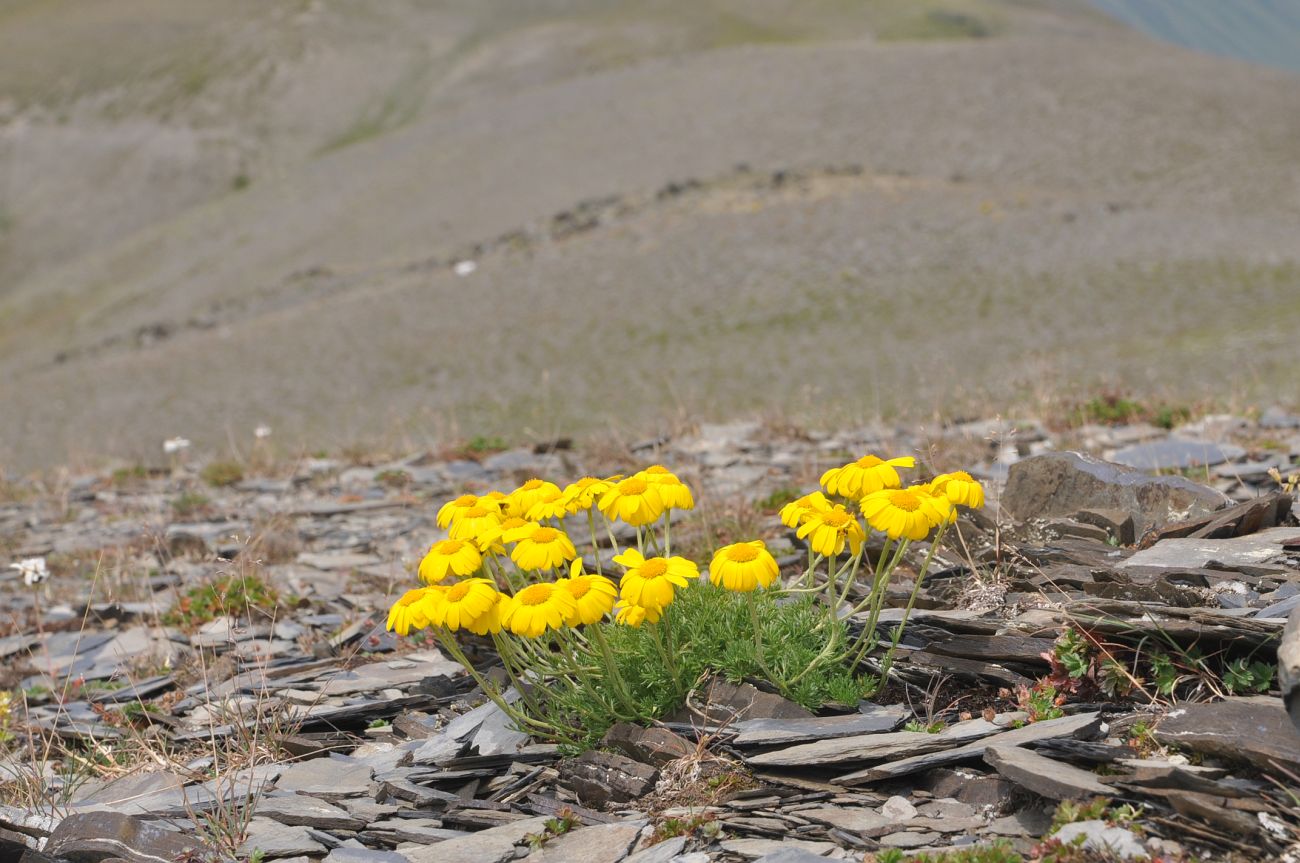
[758, 638]
[619, 685]
[911, 602]
[595, 546]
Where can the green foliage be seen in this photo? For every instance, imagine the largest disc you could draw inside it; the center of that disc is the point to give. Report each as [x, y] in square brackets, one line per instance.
[779, 498]
[222, 473]
[1070, 811]
[932, 728]
[189, 503]
[128, 475]
[705, 630]
[705, 825]
[232, 595]
[1243, 676]
[1071, 651]
[1164, 673]
[393, 478]
[1040, 701]
[482, 445]
[995, 852]
[563, 821]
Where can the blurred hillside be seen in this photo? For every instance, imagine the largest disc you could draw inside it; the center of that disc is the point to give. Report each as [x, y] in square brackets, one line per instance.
[215, 214]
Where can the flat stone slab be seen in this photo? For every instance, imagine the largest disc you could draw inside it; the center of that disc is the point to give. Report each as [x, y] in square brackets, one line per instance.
[307, 811]
[600, 843]
[1073, 726]
[100, 835]
[855, 819]
[1176, 454]
[768, 732]
[1253, 550]
[1257, 730]
[754, 849]
[494, 845]
[1044, 776]
[1104, 839]
[328, 778]
[277, 840]
[869, 747]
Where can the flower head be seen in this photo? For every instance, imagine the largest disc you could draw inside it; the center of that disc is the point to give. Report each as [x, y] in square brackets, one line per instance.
[173, 445]
[584, 493]
[828, 530]
[479, 524]
[450, 557]
[32, 569]
[794, 512]
[542, 548]
[537, 608]
[651, 582]
[633, 500]
[674, 493]
[960, 488]
[864, 476]
[461, 605]
[522, 499]
[407, 614]
[451, 511]
[743, 566]
[593, 595]
[489, 622]
[906, 513]
[550, 503]
[631, 614]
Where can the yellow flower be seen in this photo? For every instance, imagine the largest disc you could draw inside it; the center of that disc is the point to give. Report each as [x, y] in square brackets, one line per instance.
[551, 503]
[537, 608]
[582, 494]
[905, 512]
[593, 595]
[631, 614]
[406, 614]
[479, 524]
[542, 548]
[632, 500]
[743, 566]
[493, 539]
[453, 556]
[864, 476]
[794, 512]
[672, 491]
[521, 500]
[960, 488]
[490, 621]
[827, 531]
[650, 582]
[460, 605]
[451, 511]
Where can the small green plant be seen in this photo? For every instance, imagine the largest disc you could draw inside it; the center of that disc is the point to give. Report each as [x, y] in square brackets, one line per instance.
[1070, 811]
[919, 726]
[393, 478]
[222, 473]
[226, 595]
[1240, 676]
[1040, 701]
[1168, 416]
[1164, 673]
[482, 445]
[379, 723]
[562, 822]
[189, 503]
[128, 475]
[994, 852]
[1072, 651]
[1109, 409]
[705, 825]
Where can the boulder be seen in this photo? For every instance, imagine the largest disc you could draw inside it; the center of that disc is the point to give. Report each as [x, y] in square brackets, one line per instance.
[1063, 483]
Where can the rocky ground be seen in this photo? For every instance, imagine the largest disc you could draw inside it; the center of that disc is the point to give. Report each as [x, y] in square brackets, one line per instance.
[1103, 629]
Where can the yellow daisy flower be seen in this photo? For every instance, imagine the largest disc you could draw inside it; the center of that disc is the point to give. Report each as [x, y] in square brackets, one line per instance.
[793, 513]
[905, 513]
[864, 476]
[651, 582]
[521, 500]
[460, 605]
[479, 524]
[488, 623]
[581, 495]
[542, 548]
[828, 530]
[960, 488]
[451, 556]
[632, 500]
[743, 566]
[672, 491]
[451, 511]
[631, 614]
[593, 595]
[406, 614]
[537, 608]
[493, 539]
[551, 503]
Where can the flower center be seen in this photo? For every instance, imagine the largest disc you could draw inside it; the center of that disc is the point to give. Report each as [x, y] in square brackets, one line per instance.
[742, 553]
[411, 596]
[534, 594]
[457, 591]
[656, 469]
[837, 520]
[531, 485]
[450, 546]
[545, 534]
[632, 485]
[512, 522]
[476, 512]
[654, 567]
[904, 499]
[466, 500]
[579, 587]
[869, 461]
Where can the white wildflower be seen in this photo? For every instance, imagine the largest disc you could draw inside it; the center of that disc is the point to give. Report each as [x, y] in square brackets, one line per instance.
[32, 569]
[173, 445]
[464, 268]
[262, 431]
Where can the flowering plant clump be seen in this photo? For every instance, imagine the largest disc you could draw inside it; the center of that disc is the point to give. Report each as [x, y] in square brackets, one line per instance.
[585, 647]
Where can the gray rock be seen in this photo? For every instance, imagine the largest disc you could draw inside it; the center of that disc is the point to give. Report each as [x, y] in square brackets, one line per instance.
[601, 778]
[1103, 838]
[855, 819]
[766, 732]
[664, 852]
[1257, 730]
[792, 855]
[1064, 483]
[1254, 550]
[1176, 454]
[331, 778]
[306, 811]
[868, 747]
[364, 855]
[898, 809]
[494, 845]
[757, 849]
[600, 843]
[654, 746]
[1043, 775]
[908, 840]
[1288, 666]
[99, 835]
[276, 840]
